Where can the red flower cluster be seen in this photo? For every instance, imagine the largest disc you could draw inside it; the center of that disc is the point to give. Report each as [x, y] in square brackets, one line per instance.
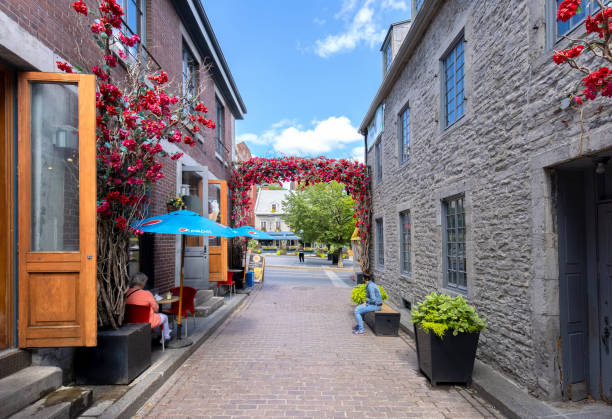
[596, 24]
[160, 78]
[99, 73]
[562, 56]
[80, 7]
[64, 66]
[131, 41]
[598, 82]
[568, 9]
[111, 60]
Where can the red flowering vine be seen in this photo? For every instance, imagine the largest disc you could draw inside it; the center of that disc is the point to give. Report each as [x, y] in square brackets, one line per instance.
[306, 171]
[597, 42]
[134, 116]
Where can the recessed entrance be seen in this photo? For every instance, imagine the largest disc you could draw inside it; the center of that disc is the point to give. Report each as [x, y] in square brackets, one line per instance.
[584, 221]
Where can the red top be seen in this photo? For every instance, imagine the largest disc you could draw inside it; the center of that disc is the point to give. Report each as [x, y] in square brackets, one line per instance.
[145, 298]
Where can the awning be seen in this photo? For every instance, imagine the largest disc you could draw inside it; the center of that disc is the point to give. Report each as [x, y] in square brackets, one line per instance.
[284, 235]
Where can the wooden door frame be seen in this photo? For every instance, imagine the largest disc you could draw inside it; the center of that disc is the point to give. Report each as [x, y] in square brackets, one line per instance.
[7, 251]
[224, 215]
[82, 261]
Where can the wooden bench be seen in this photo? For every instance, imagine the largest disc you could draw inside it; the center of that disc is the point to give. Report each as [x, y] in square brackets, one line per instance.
[384, 322]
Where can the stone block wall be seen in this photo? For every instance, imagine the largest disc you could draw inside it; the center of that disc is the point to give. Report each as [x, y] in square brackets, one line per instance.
[513, 115]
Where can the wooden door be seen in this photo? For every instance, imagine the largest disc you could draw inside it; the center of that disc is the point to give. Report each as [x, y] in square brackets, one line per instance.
[57, 210]
[572, 283]
[604, 230]
[6, 210]
[217, 246]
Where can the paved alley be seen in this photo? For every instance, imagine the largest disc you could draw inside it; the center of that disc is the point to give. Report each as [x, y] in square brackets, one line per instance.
[289, 352]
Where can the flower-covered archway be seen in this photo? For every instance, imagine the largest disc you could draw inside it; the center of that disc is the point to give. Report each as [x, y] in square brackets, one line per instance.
[307, 171]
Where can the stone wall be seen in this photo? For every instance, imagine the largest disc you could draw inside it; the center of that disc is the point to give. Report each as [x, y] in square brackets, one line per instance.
[492, 155]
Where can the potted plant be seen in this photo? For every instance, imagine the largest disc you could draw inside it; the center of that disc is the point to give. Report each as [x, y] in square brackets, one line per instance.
[446, 331]
[175, 204]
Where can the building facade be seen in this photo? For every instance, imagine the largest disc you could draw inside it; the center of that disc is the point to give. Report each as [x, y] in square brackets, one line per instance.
[482, 187]
[178, 38]
[269, 210]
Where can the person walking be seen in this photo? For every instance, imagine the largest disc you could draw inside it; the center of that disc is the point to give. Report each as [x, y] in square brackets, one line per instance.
[373, 302]
[301, 253]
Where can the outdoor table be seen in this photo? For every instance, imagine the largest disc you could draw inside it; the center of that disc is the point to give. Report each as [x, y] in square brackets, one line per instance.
[170, 300]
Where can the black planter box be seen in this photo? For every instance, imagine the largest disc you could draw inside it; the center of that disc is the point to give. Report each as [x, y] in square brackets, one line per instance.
[121, 356]
[384, 322]
[448, 360]
[359, 277]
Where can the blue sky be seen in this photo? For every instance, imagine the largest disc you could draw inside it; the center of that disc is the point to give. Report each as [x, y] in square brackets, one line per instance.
[307, 70]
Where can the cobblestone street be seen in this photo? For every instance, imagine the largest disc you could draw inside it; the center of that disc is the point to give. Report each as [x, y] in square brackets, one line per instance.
[289, 352]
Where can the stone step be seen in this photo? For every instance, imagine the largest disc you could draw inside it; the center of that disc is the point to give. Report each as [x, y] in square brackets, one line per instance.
[63, 403]
[13, 360]
[26, 386]
[209, 307]
[202, 296]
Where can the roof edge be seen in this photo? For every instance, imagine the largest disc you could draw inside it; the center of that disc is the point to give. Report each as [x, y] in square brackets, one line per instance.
[419, 25]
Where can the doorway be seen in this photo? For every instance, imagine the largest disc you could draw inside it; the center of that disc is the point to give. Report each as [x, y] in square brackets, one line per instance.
[584, 222]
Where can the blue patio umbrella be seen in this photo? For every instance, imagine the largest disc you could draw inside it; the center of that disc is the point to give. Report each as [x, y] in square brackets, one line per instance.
[253, 233]
[186, 223]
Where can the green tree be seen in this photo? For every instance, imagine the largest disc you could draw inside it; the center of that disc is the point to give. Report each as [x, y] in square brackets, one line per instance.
[321, 212]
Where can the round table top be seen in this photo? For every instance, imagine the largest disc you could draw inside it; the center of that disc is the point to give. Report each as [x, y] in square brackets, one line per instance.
[234, 270]
[168, 300]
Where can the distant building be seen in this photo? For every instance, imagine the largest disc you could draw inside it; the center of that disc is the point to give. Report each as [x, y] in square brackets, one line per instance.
[269, 209]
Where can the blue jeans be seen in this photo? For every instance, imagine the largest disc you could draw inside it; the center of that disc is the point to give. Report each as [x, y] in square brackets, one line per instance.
[361, 309]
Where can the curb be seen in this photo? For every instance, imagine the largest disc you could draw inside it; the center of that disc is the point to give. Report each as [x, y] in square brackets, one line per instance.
[128, 404]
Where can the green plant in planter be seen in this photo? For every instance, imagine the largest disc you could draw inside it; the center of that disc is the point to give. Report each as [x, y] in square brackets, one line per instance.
[358, 295]
[441, 313]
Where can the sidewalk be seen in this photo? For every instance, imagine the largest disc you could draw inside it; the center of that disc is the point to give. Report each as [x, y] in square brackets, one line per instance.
[124, 401]
[513, 401]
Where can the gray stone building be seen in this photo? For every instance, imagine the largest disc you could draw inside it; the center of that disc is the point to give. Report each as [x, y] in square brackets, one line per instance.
[483, 188]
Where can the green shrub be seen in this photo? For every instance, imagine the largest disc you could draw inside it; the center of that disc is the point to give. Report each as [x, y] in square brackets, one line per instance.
[358, 296]
[292, 247]
[440, 313]
[268, 247]
[308, 249]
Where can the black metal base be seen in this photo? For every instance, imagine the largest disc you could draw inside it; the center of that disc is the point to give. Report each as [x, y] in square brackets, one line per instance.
[447, 360]
[120, 356]
[383, 324]
[179, 343]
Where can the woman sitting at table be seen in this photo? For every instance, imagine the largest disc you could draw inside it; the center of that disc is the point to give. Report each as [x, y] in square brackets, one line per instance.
[138, 296]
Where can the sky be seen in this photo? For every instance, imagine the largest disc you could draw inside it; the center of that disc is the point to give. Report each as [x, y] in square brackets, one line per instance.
[306, 70]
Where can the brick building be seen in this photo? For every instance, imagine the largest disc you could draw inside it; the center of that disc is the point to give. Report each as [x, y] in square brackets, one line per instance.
[482, 188]
[176, 37]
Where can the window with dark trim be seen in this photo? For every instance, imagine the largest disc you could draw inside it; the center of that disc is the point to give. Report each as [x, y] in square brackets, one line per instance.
[219, 128]
[454, 243]
[404, 124]
[378, 161]
[263, 226]
[380, 242]
[278, 226]
[134, 21]
[190, 75]
[454, 93]
[387, 56]
[405, 242]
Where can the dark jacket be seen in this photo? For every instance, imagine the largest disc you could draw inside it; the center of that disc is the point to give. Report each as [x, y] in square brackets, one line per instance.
[373, 294]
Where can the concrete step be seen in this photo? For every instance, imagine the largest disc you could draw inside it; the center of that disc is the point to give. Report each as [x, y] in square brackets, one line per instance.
[26, 386]
[209, 307]
[13, 360]
[63, 403]
[202, 296]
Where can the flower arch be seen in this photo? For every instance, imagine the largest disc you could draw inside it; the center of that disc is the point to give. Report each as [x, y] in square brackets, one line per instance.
[354, 176]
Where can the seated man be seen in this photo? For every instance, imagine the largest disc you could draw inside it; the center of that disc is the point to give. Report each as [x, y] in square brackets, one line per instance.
[138, 296]
[373, 303]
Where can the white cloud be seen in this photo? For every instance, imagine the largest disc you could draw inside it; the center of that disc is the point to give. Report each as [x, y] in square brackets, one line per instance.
[395, 5]
[362, 28]
[358, 154]
[319, 21]
[363, 23]
[288, 137]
